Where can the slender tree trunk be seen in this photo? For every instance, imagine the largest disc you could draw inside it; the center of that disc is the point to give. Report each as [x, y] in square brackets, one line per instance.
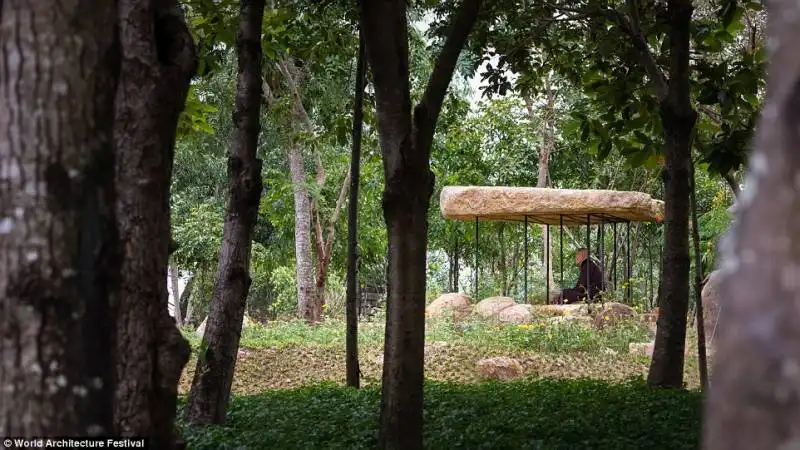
[353, 372]
[678, 117]
[733, 184]
[186, 299]
[306, 289]
[175, 277]
[406, 145]
[158, 63]
[548, 145]
[211, 387]
[59, 246]
[753, 400]
[698, 286]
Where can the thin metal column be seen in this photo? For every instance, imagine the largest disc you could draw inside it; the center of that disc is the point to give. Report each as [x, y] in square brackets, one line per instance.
[614, 264]
[589, 259]
[525, 271]
[547, 262]
[561, 249]
[629, 291]
[477, 239]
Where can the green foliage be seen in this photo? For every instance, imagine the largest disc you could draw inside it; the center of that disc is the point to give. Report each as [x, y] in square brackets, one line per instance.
[539, 337]
[528, 414]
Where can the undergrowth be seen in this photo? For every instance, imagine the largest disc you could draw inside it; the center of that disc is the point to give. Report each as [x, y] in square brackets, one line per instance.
[526, 414]
[540, 336]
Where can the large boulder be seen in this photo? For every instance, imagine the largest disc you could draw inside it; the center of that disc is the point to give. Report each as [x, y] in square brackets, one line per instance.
[453, 305]
[517, 314]
[578, 309]
[492, 306]
[201, 330]
[612, 314]
[499, 368]
[711, 304]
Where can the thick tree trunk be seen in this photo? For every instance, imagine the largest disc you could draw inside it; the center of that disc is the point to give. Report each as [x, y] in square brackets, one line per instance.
[353, 372]
[306, 289]
[174, 278]
[158, 62]
[678, 118]
[59, 247]
[211, 387]
[409, 184]
[753, 401]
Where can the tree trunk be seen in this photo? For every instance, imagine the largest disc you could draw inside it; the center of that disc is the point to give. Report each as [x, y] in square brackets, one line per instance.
[698, 285]
[60, 249]
[211, 387]
[733, 184]
[175, 277]
[409, 184]
[678, 118]
[548, 145]
[158, 62]
[753, 400]
[353, 372]
[306, 289]
[186, 300]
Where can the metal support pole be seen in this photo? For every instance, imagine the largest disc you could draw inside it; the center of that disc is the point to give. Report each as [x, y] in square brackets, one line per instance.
[629, 292]
[561, 249]
[547, 262]
[614, 264]
[477, 239]
[588, 258]
[525, 271]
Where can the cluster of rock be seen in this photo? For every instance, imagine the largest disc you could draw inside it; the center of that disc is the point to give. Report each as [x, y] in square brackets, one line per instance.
[507, 311]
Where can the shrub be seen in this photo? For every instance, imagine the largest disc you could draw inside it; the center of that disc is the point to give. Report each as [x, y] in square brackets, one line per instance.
[540, 414]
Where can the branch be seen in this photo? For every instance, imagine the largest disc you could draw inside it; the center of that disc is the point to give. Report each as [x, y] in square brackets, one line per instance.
[289, 71]
[711, 114]
[337, 210]
[633, 29]
[427, 112]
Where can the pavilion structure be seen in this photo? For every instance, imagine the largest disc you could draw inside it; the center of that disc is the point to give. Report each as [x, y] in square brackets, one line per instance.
[553, 207]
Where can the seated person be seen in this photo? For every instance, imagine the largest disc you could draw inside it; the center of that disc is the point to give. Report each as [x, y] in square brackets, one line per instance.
[590, 274]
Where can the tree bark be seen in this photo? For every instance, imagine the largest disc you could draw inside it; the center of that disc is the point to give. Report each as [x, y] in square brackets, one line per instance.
[158, 63]
[211, 387]
[306, 289]
[753, 401]
[353, 372]
[59, 244]
[678, 118]
[175, 277]
[186, 300]
[408, 186]
[698, 285]
[309, 306]
[733, 184]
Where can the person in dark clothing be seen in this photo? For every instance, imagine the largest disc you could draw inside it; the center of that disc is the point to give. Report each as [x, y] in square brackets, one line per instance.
[590, 275]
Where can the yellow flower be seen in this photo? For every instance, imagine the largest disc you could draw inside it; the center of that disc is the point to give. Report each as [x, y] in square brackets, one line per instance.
[606, 318]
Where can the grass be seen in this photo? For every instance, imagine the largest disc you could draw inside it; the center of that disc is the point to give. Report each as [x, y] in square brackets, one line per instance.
[288, 355]
[526, 414]
[540, 336]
